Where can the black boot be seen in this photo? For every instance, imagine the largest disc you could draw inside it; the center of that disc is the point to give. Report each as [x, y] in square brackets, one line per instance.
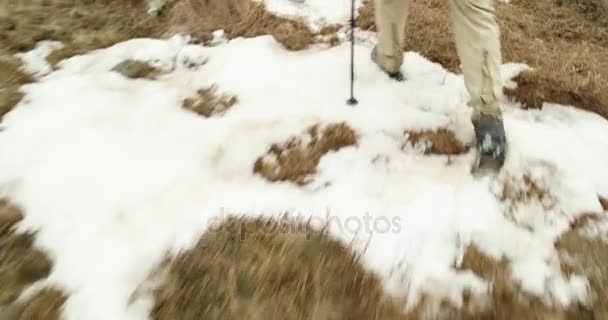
[491, 143]
[397, 76]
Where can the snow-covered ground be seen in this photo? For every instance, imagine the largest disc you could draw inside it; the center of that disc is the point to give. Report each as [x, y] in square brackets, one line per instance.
[113, 172]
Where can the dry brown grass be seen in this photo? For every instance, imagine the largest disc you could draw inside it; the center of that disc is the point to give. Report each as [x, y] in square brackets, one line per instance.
[295, 161]
[238, 18]
[85, 25]
[440, 141]
[565, 43]
[524, 190]
[44, 305]
[587, 256]
[82, 25]
[604, 202]
[208, 102]
[506, 298]
[20, 263]
[260, 269]
[11, 78]
[269, 269]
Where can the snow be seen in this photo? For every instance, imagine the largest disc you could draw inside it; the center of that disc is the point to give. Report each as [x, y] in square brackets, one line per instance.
[114, 174]
[34, 61]
[315, 13]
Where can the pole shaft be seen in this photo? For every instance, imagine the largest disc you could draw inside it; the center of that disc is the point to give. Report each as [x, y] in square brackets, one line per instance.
[352, 101]
[352, 50]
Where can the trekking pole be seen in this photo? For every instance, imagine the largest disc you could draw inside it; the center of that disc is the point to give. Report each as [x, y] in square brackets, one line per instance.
[352, 101]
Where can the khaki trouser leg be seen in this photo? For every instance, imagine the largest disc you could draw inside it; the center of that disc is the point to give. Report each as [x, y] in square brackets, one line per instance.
[391, 17]
[478, 45]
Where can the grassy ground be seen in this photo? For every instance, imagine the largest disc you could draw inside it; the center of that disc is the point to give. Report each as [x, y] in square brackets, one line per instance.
[303, 274]
[269, 270]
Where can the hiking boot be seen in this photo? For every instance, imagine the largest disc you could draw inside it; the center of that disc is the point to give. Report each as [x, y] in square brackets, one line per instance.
[491, 142]
[397, 76]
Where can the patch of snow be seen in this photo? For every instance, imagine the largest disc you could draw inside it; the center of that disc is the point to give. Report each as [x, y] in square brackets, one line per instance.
[315, 13]
[114, 173]
[155, 6]
[219, 37]
[34, 61]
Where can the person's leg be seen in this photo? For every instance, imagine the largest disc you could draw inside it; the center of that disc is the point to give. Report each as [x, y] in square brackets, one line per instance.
[391, 17]
[478, 45]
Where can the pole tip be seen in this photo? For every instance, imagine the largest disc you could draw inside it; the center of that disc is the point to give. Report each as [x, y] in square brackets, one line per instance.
[352, 101]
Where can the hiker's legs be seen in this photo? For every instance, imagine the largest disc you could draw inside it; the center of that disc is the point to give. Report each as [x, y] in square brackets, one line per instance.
[391, 16]
[478, 45]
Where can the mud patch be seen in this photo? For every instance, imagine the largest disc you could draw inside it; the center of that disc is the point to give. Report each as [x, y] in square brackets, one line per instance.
[296, 159]
[208, 102]
[269, 270]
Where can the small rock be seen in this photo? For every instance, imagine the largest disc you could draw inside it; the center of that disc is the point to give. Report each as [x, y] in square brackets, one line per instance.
[135, 69]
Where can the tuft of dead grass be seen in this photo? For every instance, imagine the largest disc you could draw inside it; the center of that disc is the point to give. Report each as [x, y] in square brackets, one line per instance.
[21, 263]
[524, 190]
[584, 219]
[11, 78]
[518, 192]
[604, 202]
[296, 159]
[9, 216]
[441, 141]
[267, 269]
[208, 102]
[44, 305]
[565, 42]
